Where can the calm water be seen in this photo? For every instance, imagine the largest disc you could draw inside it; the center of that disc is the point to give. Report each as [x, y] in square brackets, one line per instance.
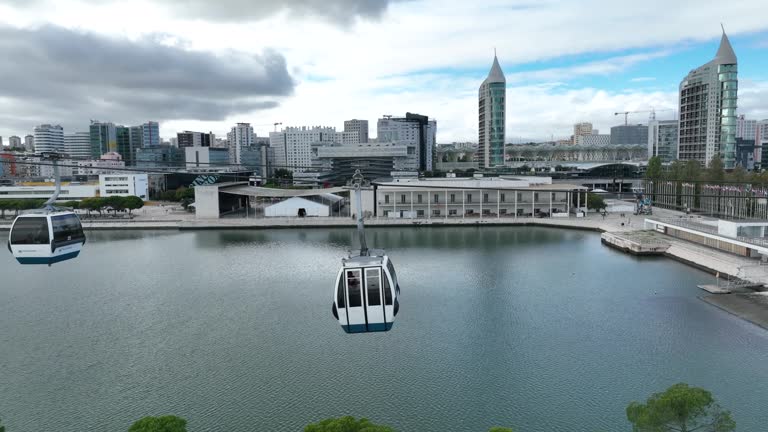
[538, 329]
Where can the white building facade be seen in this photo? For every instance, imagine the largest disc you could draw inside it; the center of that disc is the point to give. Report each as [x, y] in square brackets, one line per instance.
[359, 127]
[240, 136]
[29, 143]
[124, 185]
[49, 138]
[662, 139]
[14, 142]
[293, 145]
[413, 130]
[78, 145]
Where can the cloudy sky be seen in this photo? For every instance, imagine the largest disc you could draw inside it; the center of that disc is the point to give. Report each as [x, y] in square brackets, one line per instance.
[205, 65]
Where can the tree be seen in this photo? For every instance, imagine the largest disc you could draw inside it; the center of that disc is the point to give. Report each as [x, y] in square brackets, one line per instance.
[346, 424]
[4, 205]
[183, 193]
[654, 170]
[691, 171]
[595, 202]
[715, 171]
[282, 173]
[116, 202]
[132, 203]
[680, 409]
[160, 424]
[500, 429]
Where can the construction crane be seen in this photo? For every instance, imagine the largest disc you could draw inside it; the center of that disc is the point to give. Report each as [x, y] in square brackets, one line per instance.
[276, 124]
[653, 112]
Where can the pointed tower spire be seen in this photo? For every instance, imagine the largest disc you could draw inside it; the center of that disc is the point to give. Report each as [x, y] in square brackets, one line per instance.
[725, 54]
[496, 75]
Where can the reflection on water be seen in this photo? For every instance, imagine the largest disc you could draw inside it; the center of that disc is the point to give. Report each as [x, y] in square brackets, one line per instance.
[540, 329]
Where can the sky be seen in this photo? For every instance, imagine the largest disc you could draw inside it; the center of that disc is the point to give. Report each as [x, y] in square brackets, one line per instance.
[205, 65]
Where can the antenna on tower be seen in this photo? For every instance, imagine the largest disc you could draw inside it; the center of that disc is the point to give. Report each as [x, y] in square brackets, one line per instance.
[494, 50]
[722, 27]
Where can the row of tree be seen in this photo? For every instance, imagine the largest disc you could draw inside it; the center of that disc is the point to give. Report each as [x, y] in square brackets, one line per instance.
[97, 204]
[692, 171]
[680, 408]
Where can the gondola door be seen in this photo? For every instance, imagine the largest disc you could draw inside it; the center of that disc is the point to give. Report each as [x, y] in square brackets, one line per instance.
[373, 300]
[355, 308]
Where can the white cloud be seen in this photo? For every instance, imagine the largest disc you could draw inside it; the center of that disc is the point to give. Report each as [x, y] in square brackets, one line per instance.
[643, 79]
[396, 64]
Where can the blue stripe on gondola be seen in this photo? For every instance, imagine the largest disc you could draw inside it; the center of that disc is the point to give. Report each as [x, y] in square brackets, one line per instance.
[48, 260]
[360, 328]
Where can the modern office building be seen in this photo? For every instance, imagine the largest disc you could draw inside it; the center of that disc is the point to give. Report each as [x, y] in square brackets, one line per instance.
[150, 132]
[293, 145]
[492, 99]
[49, 138]
[761, 142]
[629, 134]
[745, 153]
[206, 157]
[124, 184]
[708, 99]
[103, 138]
[108, 164]
[745, 128]
[360, 127]
[241, 135]
[29, 143]
[14, 142]
[415, 131]
[194, 139]
[337, 163]
[78, 145]
[662, 139]
[162, 157]
[592, 139]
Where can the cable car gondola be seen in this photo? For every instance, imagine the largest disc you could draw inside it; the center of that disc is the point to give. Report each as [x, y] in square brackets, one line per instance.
[365, 296]
[48, 235]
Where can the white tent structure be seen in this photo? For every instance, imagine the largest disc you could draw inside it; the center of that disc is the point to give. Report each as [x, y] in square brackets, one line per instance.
[297, 206]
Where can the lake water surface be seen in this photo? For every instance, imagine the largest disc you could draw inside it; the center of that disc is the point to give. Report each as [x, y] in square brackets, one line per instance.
[533, 328]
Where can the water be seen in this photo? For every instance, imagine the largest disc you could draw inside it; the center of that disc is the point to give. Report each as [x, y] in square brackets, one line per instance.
[537, 329]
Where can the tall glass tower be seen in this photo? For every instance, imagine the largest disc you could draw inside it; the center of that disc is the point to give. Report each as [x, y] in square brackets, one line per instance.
[492, 118]
[708, 97]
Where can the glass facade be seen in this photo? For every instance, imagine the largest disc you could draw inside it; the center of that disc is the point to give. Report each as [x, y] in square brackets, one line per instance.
[727, 76]
[496, 119]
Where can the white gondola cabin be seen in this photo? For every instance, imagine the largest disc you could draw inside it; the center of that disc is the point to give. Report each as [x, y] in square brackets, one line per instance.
[46, 237]
[365, 299]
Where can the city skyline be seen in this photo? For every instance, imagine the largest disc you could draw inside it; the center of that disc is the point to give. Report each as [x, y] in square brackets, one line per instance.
[356, 64]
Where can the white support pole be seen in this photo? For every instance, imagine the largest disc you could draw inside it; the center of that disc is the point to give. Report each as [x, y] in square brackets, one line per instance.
[446, 203]
[394, 203]
[481, 204]
[550, 204]
[568, 203]
[411, 204]
[515, 192]
[429, 207]
[533, 203]
[578, 202]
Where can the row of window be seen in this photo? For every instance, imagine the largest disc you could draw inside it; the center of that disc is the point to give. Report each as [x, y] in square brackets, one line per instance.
[486, 198]
[373, 288]
[468, 212]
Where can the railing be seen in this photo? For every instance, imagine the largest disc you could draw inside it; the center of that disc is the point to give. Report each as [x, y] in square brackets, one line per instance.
[697, 226]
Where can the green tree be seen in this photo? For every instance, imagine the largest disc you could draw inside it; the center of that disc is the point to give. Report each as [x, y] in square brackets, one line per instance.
[4, 205]
[680, 409]
[183, 193]
[500, 429]
[282, 173]
[691, 171]
[132, 203]
[716, 170]
[595, 202]
[160, 424]
[71, 204]
[654, 170]
[115, 202]
[739, 174]
[346, 424]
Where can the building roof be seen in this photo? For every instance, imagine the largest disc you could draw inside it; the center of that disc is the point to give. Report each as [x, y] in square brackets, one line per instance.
[297, 202]
[725, 54]
[496, 75]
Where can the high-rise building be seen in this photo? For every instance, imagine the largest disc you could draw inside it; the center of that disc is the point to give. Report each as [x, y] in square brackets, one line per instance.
[49, 138]
[492, 98]
[761, 142]
[103, 138]
[581, 129]
[708, 97]
[163, 157]
[293, 145]
[358, 126]
[240, 136]
[14, 142]
[629, 134]
[150, 134]
[415, 131]
[746, 129]
[194, 139]
[29, 143]
[78, 145]
[662, 139]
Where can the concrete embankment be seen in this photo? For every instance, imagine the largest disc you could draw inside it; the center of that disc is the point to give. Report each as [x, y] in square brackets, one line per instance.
[752, 307]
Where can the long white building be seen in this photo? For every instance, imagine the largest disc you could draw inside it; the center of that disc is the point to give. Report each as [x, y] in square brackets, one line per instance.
[124, 185]
[49, 138]
[293, 145]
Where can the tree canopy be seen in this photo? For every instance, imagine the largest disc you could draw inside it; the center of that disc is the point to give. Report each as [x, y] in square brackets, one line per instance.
[500, 429]
[167, 423]
[346, 424]
[595, 202]
[654, 171]
[680, 409]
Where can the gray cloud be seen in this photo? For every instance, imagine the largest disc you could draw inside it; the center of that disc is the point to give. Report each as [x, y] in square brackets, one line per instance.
[342, 12]
[52, 74]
